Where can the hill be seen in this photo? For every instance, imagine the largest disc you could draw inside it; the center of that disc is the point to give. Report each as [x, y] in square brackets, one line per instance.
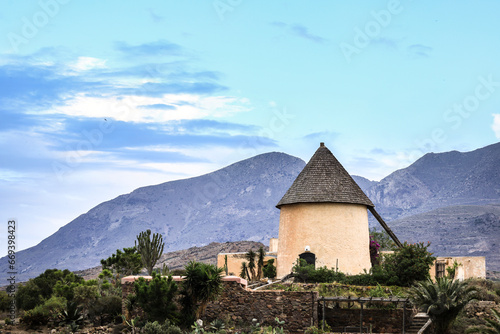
[238, 203]
[231, 204]
[464, 230]
[439, 180]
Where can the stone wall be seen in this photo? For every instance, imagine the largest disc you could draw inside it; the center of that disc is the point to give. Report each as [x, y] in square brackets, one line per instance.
[299, 310]
[380, 320]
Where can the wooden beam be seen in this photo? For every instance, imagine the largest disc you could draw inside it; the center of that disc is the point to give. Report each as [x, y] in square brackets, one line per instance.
[384, 225]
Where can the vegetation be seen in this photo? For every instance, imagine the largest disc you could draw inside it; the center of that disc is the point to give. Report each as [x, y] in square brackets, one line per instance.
[261, 254]
[269, 269]
[491, 327]
[5, 301]
[202, 284]
[126, 262]
[39, 289]
[405, 266]
[156, 297]
[383, 239]
[408, 264]
[442, 300]
[150, 248]
[244, 270]
[250, 257]
[44, 313]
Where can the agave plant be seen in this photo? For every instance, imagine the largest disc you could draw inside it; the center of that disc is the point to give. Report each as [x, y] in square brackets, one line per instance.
[72, 314]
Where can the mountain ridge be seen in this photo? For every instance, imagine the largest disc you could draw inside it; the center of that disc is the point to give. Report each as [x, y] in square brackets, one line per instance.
[237, 203]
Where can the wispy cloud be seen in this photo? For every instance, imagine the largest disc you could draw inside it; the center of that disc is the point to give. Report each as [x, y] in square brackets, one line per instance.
[158, 111]
[419, 50]
[155, 16]
[300, 31]
[387, 42]
[158, 48]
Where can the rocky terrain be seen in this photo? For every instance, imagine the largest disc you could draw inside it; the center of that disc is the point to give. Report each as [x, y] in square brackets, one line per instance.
[438, 180]
[178, 259]
[447, 198]
[464, 230]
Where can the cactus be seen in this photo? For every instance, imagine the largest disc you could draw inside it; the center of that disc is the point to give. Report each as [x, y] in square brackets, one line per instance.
[150, 249]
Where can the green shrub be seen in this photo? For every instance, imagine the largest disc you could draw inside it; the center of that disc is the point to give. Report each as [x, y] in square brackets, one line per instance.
[8, 321]
[172, 329]
[153, 328]
[35, 317]
[28, 296]
[408, 264]
[43, 314]
[156, 297]
[307, 273]
[41, 288]
[5, 301]
[86, 295]
[124, 263]
[269, 269]
[105, 309]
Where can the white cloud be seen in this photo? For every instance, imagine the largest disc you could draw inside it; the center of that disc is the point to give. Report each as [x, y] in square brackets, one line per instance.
[87, 63]
[128, 108]
[496, 125]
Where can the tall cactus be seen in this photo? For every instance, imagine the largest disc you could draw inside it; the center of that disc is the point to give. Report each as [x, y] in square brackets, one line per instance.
[150, 249]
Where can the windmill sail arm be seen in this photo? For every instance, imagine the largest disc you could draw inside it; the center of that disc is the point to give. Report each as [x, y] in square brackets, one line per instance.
[385, 226]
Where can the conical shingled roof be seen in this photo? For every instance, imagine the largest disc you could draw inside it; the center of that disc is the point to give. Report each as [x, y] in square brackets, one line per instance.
[322, 180]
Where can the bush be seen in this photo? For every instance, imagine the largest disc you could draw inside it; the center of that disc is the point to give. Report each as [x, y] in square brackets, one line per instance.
[5, 301]
[156, 297]
[408, 264]
[405, 266]
[307, 273]
[269, 269]
[153, 328]
[157, 328]
[45, 313]
[124, 263]
[105, 309]
[35, 317]
[41, 288]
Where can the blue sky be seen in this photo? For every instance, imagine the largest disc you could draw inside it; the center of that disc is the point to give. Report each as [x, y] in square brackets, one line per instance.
[98, 98]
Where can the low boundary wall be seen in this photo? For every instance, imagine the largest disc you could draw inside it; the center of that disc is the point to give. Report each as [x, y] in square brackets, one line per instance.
[299, 310]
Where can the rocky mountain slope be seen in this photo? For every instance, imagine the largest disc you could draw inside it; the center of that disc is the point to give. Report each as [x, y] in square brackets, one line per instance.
[464, 230]
[232, 204]
[438, 180]
[238, 203]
